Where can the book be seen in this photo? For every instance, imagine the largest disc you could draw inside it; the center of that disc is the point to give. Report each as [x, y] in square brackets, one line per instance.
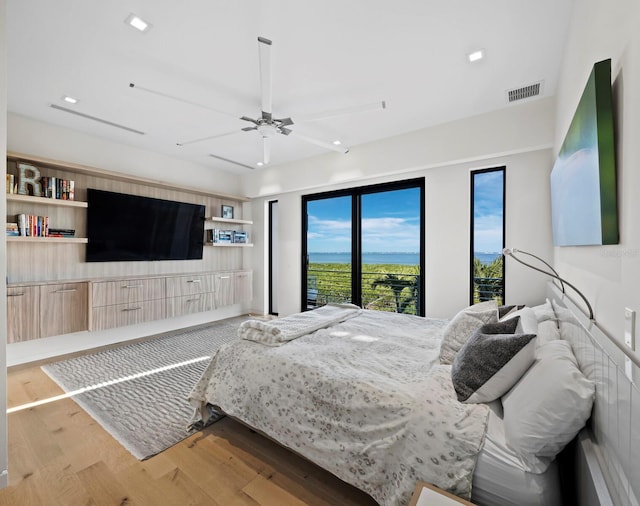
[10, 183]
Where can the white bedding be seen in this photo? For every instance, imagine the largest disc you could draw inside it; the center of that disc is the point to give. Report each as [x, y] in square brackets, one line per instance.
[500, 479]
[380, 425]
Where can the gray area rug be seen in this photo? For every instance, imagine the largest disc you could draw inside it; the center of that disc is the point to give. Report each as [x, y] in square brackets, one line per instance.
[138, 392]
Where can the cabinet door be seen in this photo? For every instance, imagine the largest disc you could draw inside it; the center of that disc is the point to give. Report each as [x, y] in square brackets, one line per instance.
[224, 289]
[23, 313]
[189, 304]
[243, 288]
[63, 308]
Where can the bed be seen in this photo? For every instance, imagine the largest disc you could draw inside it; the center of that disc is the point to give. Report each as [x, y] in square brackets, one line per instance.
[374, 398]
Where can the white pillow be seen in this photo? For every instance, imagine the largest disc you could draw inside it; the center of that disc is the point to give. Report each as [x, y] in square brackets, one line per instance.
[547, 331]
[462, 325]
[548, 406]
[491, 362]
[544, 311]
[528, 322]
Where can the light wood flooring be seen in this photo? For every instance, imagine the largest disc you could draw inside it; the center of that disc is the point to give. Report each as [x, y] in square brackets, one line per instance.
[58, 455]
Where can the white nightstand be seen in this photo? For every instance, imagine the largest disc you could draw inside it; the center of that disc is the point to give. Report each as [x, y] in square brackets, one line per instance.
[426, 494]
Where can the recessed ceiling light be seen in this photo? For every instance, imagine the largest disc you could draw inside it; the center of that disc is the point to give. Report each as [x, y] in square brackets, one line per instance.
[69, 99]
[259, 164]
[475, 55]
[337, 142]
[137, 22]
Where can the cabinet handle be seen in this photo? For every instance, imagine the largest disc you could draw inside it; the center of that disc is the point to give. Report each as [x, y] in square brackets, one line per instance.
[15, 294]
[193, 281]
[193, 300]
[225, 277]
[66, 290]
[131, 308]
[132, 286]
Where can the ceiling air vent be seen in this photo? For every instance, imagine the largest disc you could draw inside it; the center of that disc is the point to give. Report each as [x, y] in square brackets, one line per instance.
[531, 90]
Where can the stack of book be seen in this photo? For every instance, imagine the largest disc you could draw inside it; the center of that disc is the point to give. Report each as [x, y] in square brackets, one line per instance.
[33, 226]
[56, 188]
[12, 229]
[62, 232]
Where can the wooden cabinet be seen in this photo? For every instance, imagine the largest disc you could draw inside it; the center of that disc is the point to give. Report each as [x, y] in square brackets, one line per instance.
[243, 287]
[63, 308]
[190, 294]
[224, 284]
[23, 313]
[127, 302]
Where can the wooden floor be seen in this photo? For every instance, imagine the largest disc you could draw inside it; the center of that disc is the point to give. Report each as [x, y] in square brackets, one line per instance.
[58, 455]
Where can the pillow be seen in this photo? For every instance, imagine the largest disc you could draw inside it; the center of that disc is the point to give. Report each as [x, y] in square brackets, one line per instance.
[544, 311]
[547, 331]
[462, 325]
[528, 321]
[548, 406]
[492, 361]
[506, 310]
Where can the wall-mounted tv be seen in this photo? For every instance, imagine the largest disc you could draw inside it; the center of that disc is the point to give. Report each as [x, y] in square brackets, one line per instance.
[123, 228]
[584, 207]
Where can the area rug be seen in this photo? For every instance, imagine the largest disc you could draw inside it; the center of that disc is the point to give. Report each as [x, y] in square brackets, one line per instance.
[138, 392]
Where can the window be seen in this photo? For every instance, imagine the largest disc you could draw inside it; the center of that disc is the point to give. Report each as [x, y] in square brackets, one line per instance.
[365, 246]
[487, 235]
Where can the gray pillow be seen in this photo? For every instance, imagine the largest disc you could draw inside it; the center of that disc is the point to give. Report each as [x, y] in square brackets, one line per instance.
[492, 361]
[462, 325]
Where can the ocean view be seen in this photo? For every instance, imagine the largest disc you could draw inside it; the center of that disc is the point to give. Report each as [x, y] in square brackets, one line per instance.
[385, 258]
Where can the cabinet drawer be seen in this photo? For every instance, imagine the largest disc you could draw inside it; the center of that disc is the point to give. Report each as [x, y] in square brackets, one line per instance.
[189, 304]
[63, 308]
[106, 293]
[118, 315]
[23, 313]
[179, 286]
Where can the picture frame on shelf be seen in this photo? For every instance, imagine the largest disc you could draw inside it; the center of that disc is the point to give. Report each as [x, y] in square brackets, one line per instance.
[227, 212]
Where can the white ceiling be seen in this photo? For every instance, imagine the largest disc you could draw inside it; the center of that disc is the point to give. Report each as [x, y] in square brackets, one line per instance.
[326, 55]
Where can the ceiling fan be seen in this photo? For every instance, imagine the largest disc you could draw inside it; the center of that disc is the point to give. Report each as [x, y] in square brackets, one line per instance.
[266, 125]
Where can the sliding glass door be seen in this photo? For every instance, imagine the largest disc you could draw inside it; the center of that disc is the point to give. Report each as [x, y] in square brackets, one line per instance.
[365, 246]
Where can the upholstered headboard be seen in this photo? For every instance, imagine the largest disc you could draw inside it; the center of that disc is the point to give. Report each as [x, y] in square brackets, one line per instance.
[605, 470]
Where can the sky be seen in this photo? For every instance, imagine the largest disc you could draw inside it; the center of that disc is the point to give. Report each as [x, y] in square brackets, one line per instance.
[488, 212]
[390, 223]
[391, 220]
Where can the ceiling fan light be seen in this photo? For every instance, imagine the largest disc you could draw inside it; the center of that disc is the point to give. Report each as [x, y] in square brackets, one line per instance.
[137, 22]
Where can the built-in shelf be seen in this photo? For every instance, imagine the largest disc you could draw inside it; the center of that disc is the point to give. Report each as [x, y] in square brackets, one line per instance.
[229, 220]
[229, 245]
[19, 238]
[16, 197]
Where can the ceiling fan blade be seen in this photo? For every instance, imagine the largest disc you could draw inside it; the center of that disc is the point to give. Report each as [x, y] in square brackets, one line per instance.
[266, 150]
[265, 73]
[231, 161]
[202, 139]
[342, 112]
[284, 121]
[285, 131]
[326, 145]
[179, 99]
[248, 129]
[251, 120]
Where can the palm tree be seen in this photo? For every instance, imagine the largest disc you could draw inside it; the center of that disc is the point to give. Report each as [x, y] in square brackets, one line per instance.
[397, 285]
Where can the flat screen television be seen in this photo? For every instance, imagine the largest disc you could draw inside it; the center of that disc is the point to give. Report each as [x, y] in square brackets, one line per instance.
[123, 228]
[584, 207]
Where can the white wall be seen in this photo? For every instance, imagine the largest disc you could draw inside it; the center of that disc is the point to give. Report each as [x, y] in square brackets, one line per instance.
[519, 137]
[3, 255]
[608, 275]
[31, 137]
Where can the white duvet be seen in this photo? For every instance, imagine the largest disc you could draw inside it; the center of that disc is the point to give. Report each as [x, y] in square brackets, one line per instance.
[365, 399]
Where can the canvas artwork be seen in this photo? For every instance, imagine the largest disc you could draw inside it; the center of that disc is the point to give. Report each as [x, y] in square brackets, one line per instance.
[583, 179]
